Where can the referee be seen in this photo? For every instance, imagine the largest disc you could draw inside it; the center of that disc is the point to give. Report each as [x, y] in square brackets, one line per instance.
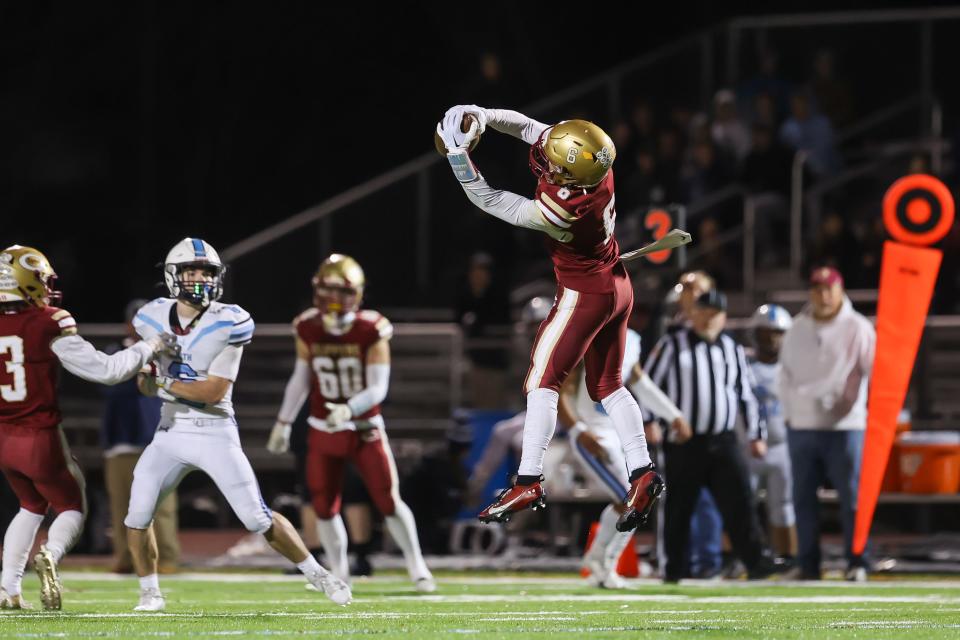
[704, 372]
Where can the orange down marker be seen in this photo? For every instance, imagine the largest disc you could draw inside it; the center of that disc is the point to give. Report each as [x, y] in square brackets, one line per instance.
[917, 210]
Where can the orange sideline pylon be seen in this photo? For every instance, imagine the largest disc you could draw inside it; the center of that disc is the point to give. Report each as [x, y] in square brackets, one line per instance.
[918, 210]
[906, 287]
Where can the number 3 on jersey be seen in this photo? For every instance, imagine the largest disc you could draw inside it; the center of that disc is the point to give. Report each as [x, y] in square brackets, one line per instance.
[338, 378]
[16, 392]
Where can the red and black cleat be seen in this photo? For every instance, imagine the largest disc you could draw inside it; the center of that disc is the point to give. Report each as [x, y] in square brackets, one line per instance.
[645, 487]
[516, 498]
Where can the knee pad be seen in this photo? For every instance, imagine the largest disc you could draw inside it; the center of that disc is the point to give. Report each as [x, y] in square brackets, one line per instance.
[138, 519]
[259, 522]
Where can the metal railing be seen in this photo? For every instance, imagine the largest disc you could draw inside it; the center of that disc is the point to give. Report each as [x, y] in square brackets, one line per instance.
[704, 51]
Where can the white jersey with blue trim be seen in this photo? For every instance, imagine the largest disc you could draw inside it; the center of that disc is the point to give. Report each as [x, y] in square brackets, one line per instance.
[219, 327]
[592, 413]
[765, 379]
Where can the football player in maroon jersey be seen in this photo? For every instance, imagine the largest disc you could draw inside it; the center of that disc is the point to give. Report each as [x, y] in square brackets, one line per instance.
[34, 457]
[343, 365]
[574, 206]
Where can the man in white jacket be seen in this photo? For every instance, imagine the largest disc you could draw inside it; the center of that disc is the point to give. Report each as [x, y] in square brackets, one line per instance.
[826, 361]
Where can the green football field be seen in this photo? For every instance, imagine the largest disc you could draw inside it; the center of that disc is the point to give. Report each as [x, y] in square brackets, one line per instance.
[493, 606]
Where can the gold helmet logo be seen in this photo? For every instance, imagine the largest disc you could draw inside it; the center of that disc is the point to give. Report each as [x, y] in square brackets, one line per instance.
[574, 152]
[26, 276]
[338, 285]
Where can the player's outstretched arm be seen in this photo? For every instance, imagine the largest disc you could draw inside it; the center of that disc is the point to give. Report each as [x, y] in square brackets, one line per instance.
[294, 395]
[83, 360]
[651, 396]
[512, 123]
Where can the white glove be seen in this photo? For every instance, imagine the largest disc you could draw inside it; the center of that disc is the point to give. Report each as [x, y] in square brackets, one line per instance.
[154, 383]
[449, 128]
[279, 440]
[477, 112]
[339, 413]
[458, 143]
[165, 343]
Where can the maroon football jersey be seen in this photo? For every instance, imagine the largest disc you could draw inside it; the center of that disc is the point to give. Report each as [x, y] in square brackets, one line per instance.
[29, 369]
[584, 252]
[339, 362]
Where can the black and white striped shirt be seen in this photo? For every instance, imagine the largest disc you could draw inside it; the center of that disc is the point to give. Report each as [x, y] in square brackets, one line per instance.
[709, 382]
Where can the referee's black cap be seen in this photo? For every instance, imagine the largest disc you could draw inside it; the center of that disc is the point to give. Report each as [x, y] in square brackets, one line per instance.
[714, 299]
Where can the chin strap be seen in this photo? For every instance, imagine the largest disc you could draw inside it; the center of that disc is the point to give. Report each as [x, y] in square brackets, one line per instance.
[338, 324]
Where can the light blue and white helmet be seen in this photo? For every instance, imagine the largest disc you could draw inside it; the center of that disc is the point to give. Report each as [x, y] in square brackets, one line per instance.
[193, 252]
[771, 316]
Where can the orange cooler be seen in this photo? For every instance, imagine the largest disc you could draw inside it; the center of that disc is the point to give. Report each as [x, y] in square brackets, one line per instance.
[929, 461]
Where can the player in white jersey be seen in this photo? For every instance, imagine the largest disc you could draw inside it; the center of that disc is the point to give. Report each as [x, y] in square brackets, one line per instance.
[197, 429]
[594, 442]
[768, 325]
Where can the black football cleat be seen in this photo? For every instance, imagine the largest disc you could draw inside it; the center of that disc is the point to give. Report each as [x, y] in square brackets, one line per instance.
[645, 488]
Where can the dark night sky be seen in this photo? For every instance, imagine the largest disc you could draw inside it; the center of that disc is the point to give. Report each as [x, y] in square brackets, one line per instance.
[128, 125]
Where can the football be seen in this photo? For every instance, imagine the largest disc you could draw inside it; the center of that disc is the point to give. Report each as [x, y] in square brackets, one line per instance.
[464, 127]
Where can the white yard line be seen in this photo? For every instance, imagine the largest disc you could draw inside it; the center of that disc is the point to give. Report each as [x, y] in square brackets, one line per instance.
[521, 580]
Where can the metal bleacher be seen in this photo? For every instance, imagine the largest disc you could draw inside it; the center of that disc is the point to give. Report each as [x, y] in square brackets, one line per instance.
[425, 388]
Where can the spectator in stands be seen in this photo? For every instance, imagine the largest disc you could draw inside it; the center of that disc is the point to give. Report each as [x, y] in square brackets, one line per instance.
[767, 165]
[728, 131]
[645, 185]
[129, 421]
[669, 158]
[811, 132]
[642, 119]
[769, 81]
[763, 112]
[483, 309]
[826, 359]
[833, 96]
[703, 173]
[834, 244]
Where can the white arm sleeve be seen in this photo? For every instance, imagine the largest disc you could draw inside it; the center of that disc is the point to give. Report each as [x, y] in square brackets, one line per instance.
[508, 206]
[82, 359]
[378, 380]
[298, 387]
[515, 124]
[227, 363]
[655, 400]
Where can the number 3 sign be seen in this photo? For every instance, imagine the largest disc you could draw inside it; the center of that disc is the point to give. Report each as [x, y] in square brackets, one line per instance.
[659, 222]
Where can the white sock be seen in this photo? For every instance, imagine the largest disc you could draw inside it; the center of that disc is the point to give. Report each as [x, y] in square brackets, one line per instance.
[63, 533]
[538, 430]
[151, 581]
[310, 565]
[627, 419]
[605, 531]
[333, 537]
[17, 543]
[403, 530]
[611, 555]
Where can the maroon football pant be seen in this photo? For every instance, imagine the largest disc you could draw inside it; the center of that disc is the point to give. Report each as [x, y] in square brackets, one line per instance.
[369, 452]
[38, 465]
[587, 326]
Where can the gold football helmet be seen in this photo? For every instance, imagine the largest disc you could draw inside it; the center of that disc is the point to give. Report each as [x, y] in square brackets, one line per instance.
[338, 285]
[574, 152]
[26, 276]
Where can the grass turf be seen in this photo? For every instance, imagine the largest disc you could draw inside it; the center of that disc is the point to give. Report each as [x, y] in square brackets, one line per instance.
[502, 606]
